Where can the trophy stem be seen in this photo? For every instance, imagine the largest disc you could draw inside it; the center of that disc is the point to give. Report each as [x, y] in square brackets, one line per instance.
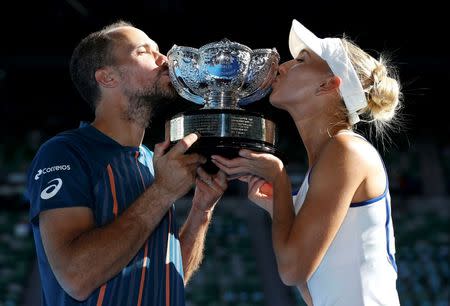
[221, 100]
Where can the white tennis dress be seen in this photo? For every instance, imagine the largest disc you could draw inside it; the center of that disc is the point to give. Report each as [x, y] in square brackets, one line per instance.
[359, 266]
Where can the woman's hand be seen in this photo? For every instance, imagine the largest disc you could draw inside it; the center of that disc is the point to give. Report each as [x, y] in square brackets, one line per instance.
[259, 192]
[263, 165]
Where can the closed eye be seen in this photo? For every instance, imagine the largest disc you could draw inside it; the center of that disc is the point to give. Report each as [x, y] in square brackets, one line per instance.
[302, 56]
[141, 50]
[144, 53]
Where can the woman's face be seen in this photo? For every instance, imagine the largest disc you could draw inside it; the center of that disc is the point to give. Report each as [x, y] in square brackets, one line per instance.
[299, 79]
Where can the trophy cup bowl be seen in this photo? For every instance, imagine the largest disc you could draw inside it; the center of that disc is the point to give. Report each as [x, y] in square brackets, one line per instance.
[223, 76]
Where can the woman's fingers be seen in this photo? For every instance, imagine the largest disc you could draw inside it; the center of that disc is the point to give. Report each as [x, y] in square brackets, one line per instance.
[252, 155]
[238, 176]
[244, 178]
[249, 163]
[231, 172]
[254, 179]
[249, 154]
[266, 189]
[230, 163]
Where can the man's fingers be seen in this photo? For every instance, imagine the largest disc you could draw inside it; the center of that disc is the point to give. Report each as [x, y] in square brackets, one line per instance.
[221, 179]
[206, 178]
[203, 174]
[218, 181]
[161, 147]
[166, 136]
[184, 144]
[193, 158]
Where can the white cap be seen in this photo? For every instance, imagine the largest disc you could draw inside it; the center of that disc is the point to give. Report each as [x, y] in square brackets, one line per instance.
[333, 52]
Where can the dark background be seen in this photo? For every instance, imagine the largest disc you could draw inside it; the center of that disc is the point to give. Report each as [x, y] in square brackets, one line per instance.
[37, 39]
[38, 100]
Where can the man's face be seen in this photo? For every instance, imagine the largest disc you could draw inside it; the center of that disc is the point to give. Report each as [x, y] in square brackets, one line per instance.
[143, 73]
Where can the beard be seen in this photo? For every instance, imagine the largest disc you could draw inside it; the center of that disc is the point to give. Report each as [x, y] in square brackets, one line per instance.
[144, 104]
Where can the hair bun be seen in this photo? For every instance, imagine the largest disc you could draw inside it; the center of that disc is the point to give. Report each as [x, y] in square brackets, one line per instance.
[383, 96]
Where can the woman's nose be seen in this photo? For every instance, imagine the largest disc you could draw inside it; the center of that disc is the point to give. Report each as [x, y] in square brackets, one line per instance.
[283, 68]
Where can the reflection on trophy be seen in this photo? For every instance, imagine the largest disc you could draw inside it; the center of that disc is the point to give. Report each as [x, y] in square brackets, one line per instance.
[223, 77]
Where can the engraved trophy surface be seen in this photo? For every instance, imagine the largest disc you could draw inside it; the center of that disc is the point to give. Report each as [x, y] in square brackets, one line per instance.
[223, 76]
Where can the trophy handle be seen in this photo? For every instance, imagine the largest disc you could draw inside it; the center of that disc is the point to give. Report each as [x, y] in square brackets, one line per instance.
[257, 65]
[183, 69]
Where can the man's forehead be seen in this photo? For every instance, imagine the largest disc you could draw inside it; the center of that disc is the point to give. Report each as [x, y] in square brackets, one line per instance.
[153, 44]
[137, 37]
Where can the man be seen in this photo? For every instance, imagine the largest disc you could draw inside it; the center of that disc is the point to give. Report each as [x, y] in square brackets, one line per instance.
[101, 203]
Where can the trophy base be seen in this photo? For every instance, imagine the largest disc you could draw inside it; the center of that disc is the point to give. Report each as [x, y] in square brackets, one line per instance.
[229, 148]
[224, 132]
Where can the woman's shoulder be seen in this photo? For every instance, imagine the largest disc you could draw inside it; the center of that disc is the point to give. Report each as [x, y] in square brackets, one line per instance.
[354, 147]
[349, 149]
[352, 142]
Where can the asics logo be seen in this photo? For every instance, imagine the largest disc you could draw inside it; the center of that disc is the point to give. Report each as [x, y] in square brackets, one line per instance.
[52, 189]
[51, 169]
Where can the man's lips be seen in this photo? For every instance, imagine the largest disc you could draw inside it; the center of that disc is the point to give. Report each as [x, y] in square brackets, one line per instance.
[164, 74]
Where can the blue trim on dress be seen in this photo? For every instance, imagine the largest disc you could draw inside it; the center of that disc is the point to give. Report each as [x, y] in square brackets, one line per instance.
[388, 221]
[370, 201]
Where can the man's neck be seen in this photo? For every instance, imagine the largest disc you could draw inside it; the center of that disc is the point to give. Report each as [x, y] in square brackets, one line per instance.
[123, 132]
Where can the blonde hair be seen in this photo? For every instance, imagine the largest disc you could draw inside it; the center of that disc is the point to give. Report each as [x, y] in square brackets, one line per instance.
[382, 87]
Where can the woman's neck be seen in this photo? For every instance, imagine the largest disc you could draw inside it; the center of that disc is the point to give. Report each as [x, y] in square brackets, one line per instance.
[315, 134]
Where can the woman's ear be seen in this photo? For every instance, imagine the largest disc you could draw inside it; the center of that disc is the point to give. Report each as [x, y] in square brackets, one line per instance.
[330, 84]
[106, 77]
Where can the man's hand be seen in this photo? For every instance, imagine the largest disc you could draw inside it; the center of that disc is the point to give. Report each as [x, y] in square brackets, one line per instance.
[175, 172]
[209, 189]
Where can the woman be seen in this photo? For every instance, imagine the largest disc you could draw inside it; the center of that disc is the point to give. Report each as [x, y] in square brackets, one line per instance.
[334, 240]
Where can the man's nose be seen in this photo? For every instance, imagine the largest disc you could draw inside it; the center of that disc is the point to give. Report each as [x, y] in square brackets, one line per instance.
[162, 60]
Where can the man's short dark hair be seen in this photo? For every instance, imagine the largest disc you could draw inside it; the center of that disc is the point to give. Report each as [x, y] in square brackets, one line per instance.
[93, 52]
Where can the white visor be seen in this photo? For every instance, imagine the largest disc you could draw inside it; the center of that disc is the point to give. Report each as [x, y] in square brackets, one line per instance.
[333, 52]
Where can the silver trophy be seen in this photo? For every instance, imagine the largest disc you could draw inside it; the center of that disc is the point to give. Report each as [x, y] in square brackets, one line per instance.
[224, 77]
